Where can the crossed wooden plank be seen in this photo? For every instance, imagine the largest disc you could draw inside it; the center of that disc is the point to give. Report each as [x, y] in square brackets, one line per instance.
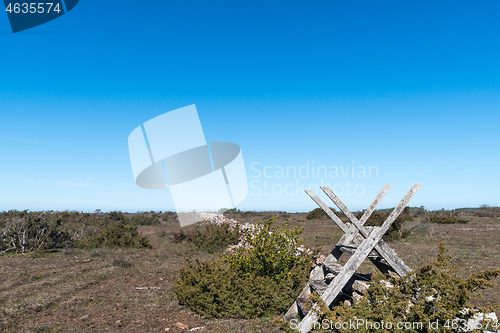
[350, 232]
[372, 240]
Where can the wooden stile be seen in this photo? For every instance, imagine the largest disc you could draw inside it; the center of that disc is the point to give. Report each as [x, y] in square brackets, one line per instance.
[360, 242]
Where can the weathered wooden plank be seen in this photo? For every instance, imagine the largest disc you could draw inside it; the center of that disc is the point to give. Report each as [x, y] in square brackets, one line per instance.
[292, 312]
[343, 277]
[347, 249]
[399, 208]
[351, 266]
[353, 231]
[304, 305]
[383, 249]
[333, 267]
[373, 240]
[374, 204]
[328, 211]
[392, 258]
[319, 286]
[294, 309]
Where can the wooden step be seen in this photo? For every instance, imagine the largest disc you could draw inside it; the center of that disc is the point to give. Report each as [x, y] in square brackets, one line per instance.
[304, 304]
[351, 249]
[332, 267]
[381, 264]
[318, 286]
[348, 249]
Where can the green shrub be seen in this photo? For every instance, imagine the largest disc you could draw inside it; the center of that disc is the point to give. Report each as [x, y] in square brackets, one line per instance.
[116, 216]
[215, 238]
[261, 281]
[214, 290]
[432, 292]
[273, 252]
[145, 219]
[182, 236]
[440, 219]
[116, 235]
[226, 211]
[169, 216]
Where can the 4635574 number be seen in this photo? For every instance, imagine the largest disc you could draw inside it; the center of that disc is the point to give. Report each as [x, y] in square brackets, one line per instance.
[33, 8]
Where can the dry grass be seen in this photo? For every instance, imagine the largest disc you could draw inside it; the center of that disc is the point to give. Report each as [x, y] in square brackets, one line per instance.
[95, 290]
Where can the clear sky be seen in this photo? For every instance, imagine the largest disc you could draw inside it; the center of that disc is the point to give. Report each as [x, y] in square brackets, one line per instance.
[408, 88]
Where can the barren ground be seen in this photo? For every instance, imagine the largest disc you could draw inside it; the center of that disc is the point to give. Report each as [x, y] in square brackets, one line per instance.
[88, 291]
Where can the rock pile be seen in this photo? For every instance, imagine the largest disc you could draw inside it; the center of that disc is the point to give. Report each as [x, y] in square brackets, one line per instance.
[219, 219]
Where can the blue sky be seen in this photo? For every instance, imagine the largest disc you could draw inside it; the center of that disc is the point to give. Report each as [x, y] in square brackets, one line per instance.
[409, 87]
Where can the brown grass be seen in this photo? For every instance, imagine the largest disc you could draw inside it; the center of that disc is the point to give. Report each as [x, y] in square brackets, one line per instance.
[95, 290]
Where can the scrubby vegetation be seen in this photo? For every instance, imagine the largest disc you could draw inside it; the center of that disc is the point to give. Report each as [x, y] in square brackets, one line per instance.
[210, 238]
[433, 292]
[482, 211]
[317, 213]
[259, 281]
[25, 231]
[272, 252]
[116, 235]
[237, 214]
[442, 219]
[215, 237]
[30, 231]
[75, 289]
[181, 236]
[216, 290]
[227, 211]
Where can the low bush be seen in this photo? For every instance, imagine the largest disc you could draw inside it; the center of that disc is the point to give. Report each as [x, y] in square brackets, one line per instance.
[227, 211]
[32, 231]
[182, 236]
[261, 281]
[318, 213]
[24, 231]
[420, 210]
[116, 235]
[440, 219]
[273, 251]
[434, 292]
[145, 219]
[215, 290]
[215, 238]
